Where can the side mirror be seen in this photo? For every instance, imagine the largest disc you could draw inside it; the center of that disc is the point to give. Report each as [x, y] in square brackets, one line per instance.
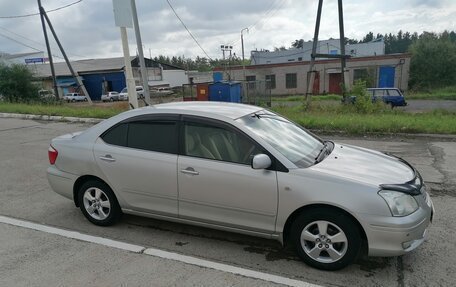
[261, 161]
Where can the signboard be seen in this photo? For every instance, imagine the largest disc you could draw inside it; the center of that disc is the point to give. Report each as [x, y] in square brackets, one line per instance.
[122, 13]
[35, 60]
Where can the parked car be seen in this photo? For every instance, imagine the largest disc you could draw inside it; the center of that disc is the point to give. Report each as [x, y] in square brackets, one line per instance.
[244, 169]
[110, 97]
[124, 93]
[162, 91]
[74, 97]
[390, 96]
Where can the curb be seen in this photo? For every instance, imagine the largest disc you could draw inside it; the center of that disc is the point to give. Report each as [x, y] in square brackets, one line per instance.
[51, 118]
[338, 133]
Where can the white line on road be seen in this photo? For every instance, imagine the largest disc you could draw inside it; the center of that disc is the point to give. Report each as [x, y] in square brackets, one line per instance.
[157, 253]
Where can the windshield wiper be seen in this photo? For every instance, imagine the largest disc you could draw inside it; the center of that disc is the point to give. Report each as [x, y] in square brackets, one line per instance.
[324, 151]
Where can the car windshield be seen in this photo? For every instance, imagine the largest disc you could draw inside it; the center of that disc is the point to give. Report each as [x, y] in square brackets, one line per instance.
[292, 141]
[124, 90]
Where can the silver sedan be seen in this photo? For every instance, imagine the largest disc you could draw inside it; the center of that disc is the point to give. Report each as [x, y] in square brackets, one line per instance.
[244, 169]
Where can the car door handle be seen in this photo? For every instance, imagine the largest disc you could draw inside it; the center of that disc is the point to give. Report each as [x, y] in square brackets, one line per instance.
[190, 171]
[107, 157]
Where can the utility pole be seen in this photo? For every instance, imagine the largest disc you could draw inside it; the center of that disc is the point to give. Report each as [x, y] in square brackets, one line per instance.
[311, 72]
[123, 19]
[131, 86]
[75, 76]
[314, 55]
[142, 63]
[48, 47]
[242, 44]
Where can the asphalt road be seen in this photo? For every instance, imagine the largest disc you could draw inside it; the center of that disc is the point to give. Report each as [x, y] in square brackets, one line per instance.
[35, 258]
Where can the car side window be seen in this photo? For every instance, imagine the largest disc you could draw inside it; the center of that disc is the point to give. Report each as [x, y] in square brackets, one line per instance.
[158, 136]
[116, 135]
[217, 143]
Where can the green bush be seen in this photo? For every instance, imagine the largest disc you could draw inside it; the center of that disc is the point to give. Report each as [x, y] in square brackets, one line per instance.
[363, 103]
[16, 84]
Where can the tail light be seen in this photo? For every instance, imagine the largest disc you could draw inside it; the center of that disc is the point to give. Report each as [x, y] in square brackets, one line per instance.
[52, 153]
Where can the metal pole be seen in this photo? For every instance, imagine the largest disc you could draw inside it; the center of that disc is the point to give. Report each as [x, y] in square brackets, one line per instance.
[242, 43]
[132, 96]
[48, 47]
[142, 63]
[78, 79]
[310, 74]
[342, 48]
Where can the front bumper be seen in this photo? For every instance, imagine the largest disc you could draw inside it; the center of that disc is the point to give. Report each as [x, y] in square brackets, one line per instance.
[394, 236]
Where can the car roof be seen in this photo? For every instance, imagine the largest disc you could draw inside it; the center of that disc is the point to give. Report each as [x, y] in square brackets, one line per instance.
[229, 110]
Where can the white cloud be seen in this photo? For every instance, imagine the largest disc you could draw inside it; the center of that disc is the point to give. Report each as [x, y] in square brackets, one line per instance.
[87, 29]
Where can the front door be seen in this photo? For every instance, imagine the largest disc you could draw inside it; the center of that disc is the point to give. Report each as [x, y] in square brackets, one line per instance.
[217, 183]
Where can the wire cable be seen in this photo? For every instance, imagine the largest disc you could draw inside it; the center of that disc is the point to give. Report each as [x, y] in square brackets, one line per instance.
[35, 14]
[186, 28]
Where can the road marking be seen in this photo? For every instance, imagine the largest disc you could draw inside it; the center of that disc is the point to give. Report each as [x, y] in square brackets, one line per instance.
[73, 234]
[157, 253]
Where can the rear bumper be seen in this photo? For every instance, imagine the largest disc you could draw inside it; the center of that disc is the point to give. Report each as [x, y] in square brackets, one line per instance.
[394, 236]
[61, 182]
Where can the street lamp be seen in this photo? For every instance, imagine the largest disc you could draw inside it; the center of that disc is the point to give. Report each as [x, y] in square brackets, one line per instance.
[242, 41]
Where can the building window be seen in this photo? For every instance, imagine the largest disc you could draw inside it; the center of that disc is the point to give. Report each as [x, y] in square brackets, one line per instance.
[270, 82]
[299, 58]
[291, 81]
[250, 82]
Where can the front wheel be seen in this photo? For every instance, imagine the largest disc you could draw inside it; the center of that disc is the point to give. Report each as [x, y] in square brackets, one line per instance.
[98, 203]
[326, 239]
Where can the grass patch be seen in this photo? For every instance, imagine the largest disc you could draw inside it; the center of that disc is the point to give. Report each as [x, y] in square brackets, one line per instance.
[321, 117]
[345, 120]
[66, 110]
[446, 93]
[302, 98]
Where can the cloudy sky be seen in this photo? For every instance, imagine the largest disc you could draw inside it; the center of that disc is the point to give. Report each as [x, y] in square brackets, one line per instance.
[87, 29]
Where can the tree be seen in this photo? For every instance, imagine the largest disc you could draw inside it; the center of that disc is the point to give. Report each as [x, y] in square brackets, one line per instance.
[16, 84]
[433, 62]
[298, 43]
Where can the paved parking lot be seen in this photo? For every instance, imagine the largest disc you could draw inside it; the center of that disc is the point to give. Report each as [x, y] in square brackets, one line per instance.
[35, 258]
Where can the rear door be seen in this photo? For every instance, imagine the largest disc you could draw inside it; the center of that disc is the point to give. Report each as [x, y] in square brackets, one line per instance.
[139, 158]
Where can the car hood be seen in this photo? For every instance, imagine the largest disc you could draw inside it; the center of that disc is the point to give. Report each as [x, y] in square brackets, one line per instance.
[364, 165]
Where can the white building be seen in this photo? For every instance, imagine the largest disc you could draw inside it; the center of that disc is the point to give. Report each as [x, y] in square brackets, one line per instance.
[332, 46]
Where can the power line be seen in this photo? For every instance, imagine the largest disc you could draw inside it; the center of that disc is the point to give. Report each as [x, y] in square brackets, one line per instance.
[35, 14]
[265, 17]
[190, 33]
[36, 42]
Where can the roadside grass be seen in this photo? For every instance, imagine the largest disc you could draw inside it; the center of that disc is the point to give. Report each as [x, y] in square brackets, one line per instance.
[446, 93]
[302, 98]
[321, 117]
[66, 110]
[386, 121]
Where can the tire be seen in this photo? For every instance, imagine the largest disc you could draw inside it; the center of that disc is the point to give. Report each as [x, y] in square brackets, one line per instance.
[98, 203]
[318, 248]
[111, 100]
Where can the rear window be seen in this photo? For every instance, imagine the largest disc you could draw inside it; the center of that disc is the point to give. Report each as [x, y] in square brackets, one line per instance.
[116, 135]
[157, 136]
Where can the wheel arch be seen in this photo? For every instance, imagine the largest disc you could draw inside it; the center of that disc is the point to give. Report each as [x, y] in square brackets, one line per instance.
[306, 208]
[80, 181]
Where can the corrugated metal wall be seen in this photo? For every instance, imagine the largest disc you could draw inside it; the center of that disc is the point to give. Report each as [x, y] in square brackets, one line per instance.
[97, 84]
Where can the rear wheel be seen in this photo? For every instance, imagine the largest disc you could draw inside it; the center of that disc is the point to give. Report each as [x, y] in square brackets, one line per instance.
[98, 203]
[326, 238]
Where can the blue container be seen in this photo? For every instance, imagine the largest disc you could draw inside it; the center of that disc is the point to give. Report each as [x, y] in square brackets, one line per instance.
[217, 76]
[225, 92]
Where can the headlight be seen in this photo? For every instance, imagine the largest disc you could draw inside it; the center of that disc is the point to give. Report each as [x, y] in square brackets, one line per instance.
[399, 203]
